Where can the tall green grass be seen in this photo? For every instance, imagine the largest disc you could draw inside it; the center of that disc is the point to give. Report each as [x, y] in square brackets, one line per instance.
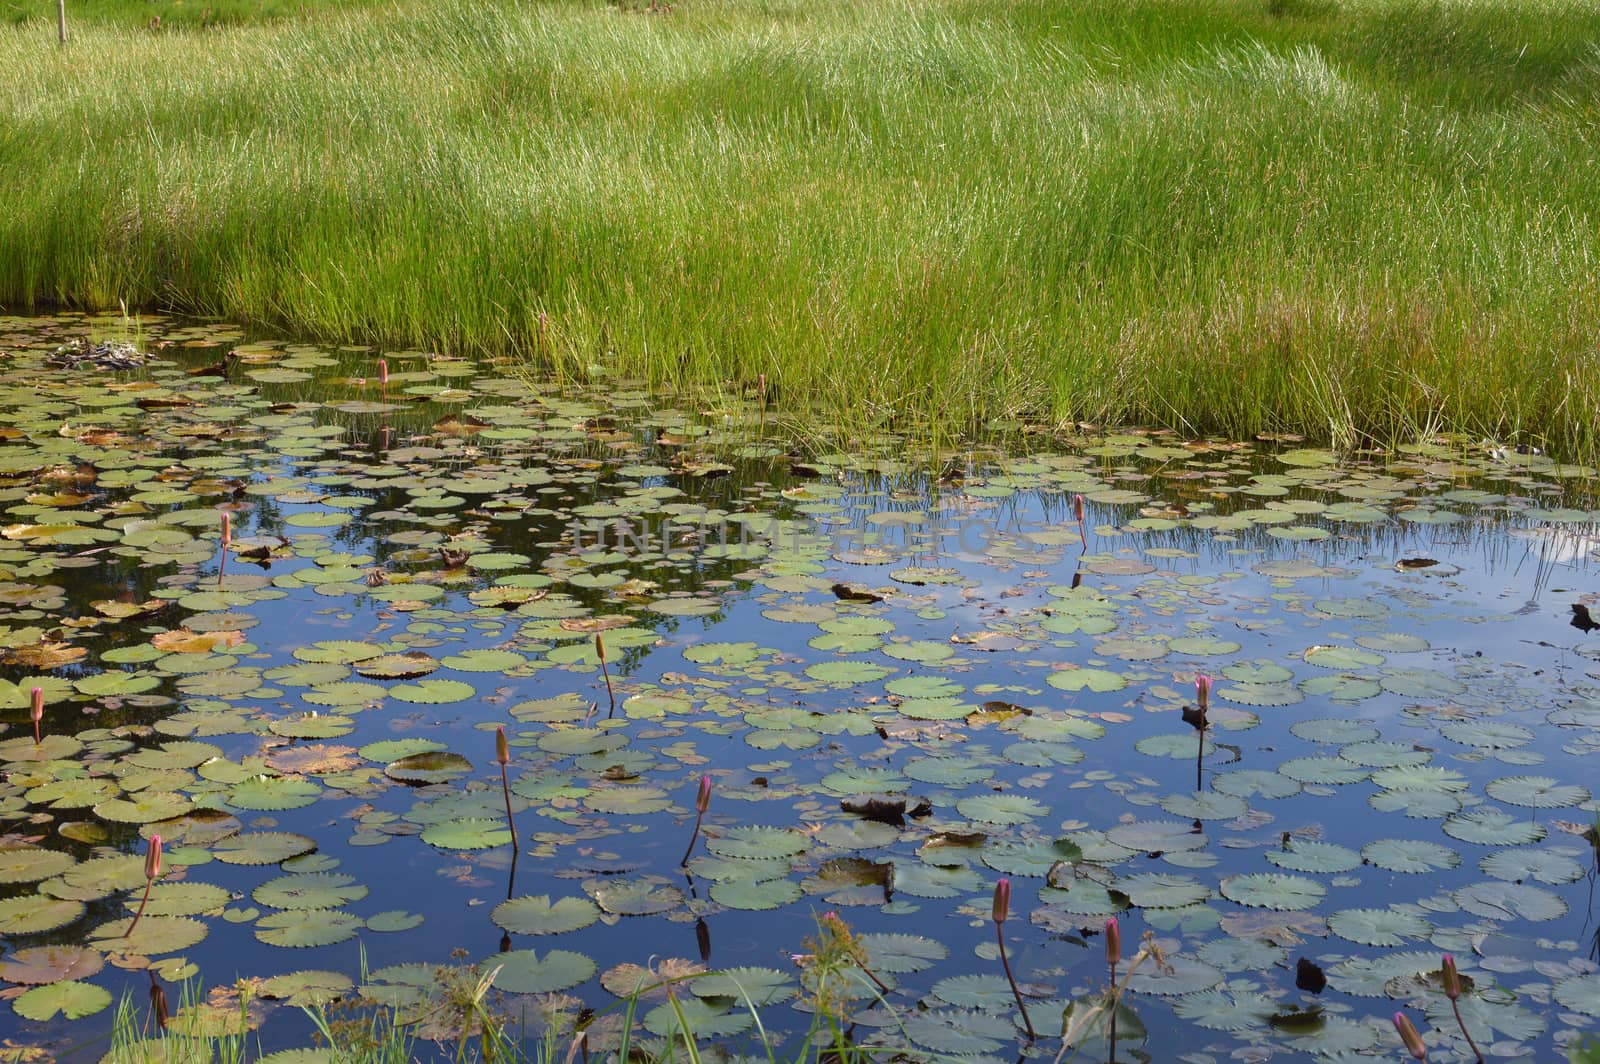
[1354, 219]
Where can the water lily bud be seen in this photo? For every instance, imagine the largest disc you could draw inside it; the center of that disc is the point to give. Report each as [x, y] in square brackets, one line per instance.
[383, 370]
[599, 646]
[158, 1004]
[502, 749]
[1113, 942]
[227, 529]
[152, 859]
[36, 704]
[702, 800]
[1452, 978]
[1077, 508]
[1202, 691]
[1409, 1035]
[1002, 900]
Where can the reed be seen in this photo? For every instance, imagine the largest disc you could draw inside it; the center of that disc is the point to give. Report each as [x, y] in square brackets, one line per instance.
[1365, 221]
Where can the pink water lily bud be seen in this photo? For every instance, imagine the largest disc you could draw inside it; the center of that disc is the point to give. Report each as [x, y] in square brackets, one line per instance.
[1113, 942]
[599, 646]
[1202, 691]
[152, 859]
[1077, 508]
[36, 704]
[1452, 978]
[1409, 1035]
[502, 749]
[383, 370]
[1002, 900]
[227, 529]
[702, 800]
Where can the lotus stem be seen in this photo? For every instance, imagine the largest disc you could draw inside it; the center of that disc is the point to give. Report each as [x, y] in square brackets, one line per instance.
[152, 872]
[702, 802]
[1083, 535]
[1002, 908]
[600, 651]
[227, 538]
[36, 711]
[1081, 1021]
[1452, 990]
[502, 754]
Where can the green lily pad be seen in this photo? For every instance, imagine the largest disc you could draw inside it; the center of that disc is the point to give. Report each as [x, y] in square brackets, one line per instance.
[433, 692]
[307, 928]
[309, 890]
[70, 998]
[522, 971]
[1413, 856]
[539, 916]
[1269, 890]
[28, 915]
[261, 847]
[757, 843]
[1536, 792]
[29, 864]
[1378, 927]
[152, 935]
[901, 954]
[1001, 808]
[470, 833]
[755, 895]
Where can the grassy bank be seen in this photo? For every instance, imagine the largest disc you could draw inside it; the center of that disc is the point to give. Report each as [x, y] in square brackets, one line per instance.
[1341, 217]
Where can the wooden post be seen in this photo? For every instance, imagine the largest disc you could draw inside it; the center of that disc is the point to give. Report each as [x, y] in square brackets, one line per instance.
[61, 20]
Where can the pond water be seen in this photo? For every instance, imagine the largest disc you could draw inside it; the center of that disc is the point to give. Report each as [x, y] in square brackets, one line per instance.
[903, 680]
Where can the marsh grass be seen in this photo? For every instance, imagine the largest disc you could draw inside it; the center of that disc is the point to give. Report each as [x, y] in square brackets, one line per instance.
[464, 1020]
[1362, 220]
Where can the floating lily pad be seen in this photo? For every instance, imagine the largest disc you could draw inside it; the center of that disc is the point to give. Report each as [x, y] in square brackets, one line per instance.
[151, 936]
[309, 890]
[522, 971]
[71, 999]
[540, 916]
[469, 833]
[1273, 891]
[901, 954]
[307, 928]
[429, 766]
[261, 847]
[30, 915]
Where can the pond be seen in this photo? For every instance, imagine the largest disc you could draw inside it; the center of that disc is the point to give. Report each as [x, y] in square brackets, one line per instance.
[903, 680]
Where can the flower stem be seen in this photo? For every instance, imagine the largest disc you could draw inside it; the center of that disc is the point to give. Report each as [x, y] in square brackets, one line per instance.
[142, 903]
[693, 838]
[1456, 1007]
[505, 788]
[1000, 936]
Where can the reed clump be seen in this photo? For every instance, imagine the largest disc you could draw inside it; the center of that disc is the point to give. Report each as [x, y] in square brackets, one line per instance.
[1362, 220]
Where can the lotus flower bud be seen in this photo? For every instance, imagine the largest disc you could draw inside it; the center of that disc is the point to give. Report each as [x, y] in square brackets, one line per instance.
[152, 859]
[227, 529]
[702, 800]
[502, 749]
[1077, 508]
[599, 646]
[1002, 900]
[158, 1003]
[1202, 692]
[1452, 978]
[383, 370]
[1409, 1035]
[1113, 942]
[36, 704]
